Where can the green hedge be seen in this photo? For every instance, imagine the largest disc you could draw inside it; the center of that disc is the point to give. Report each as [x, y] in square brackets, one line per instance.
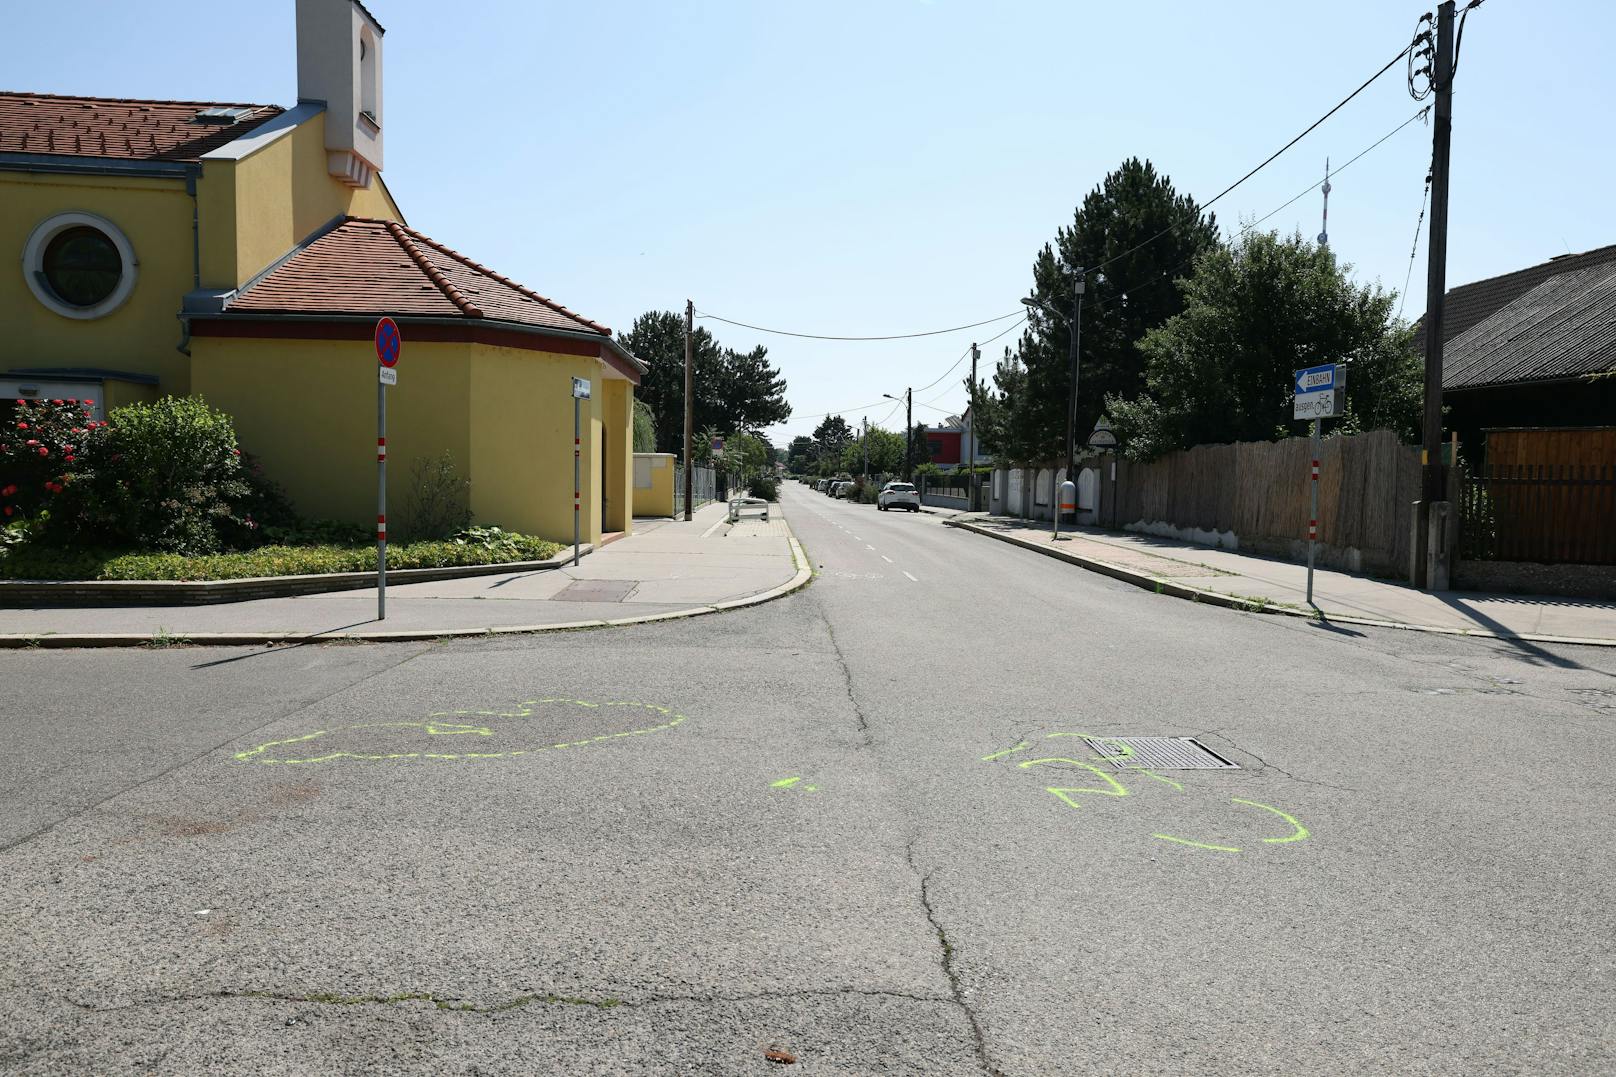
[28, 562]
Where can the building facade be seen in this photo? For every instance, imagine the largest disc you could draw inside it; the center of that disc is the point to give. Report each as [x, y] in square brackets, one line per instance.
[244, 253]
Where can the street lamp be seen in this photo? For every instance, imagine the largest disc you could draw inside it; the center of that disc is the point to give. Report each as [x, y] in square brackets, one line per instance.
[908, 429]
[1075, 335]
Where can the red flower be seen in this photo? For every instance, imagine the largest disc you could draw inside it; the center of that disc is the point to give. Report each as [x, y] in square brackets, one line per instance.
[57, 400]
[22, 426]
[87, 403]
[8, 510]
[71, 458]
[235, 452]
[9, 490]
[33, 441]
[44, 451]
[72, 400]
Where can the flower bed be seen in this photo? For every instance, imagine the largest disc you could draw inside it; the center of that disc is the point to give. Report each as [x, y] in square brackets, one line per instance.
[30, 562]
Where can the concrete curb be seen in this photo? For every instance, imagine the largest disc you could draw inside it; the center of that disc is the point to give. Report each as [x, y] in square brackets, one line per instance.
[1214, 598]
[81, 594]
[15, 641]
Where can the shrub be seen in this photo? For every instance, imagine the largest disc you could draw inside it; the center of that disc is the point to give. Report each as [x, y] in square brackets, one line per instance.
[439, 501]
[163, 476]
[45, 447]
[766, 486]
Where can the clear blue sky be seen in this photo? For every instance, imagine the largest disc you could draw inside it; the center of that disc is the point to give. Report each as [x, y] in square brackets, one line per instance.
[875, 167]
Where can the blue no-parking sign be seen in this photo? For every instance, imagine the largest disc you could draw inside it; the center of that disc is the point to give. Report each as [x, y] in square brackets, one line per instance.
[388, 342]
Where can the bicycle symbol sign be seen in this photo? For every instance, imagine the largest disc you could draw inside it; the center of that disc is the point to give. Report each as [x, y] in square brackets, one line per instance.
[388, 342]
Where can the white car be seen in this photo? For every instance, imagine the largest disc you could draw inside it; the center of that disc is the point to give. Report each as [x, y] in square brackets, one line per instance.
[900, 495]
[843, 489]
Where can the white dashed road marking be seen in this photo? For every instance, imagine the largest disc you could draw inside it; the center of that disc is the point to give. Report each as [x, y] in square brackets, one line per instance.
[911, 577]
[887, 559]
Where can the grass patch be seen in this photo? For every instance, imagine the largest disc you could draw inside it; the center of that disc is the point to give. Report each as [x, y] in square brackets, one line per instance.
[27, 562]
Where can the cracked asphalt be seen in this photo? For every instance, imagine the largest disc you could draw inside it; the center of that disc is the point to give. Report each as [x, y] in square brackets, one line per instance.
[458, 858]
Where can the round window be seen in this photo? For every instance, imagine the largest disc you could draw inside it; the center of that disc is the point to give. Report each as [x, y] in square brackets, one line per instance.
[82, 266]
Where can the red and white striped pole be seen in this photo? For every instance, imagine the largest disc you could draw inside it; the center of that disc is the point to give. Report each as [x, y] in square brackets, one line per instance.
[381, 501]
[1313, 514]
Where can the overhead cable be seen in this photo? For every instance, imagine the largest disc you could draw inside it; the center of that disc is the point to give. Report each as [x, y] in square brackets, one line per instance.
[824, 336]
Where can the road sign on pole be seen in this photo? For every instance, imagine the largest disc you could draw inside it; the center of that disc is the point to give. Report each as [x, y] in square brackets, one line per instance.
[580, 393]
[388, 346]
[1321, 392]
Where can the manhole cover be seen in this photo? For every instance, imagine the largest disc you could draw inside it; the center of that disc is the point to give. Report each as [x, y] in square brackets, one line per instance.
[596, 590]
[1158, 753]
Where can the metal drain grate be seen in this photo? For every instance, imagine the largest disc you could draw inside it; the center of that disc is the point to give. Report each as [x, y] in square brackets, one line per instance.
[1158, 753]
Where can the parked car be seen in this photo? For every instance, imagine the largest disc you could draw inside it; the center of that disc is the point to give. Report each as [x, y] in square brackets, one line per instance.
[821, 486]
[900, 495]
[839, 488]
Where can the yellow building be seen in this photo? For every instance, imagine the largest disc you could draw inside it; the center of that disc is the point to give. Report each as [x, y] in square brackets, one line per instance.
[245, 253]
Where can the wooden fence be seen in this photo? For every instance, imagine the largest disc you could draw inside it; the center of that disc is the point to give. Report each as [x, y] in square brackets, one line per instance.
[1259, 491]
[1552, 514]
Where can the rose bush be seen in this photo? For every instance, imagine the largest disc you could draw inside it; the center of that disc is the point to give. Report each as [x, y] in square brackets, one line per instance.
[45, 446]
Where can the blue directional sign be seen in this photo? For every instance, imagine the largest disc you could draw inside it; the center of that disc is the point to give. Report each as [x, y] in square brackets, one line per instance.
[1316, 379]
[1320, 392]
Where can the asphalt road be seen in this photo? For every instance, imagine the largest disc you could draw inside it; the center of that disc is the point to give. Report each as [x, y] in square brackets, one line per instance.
[585, 853]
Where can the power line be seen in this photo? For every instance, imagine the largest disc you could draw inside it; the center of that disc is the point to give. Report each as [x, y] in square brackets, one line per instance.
[1270, 159]
[1413, 250]
[1244, 229]
[891, 336]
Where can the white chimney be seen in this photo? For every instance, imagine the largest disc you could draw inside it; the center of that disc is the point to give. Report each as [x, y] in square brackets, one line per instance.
[339, 62]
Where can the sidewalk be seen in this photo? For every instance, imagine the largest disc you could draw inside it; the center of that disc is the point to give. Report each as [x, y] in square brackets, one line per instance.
[666, 569]
[1260, 584]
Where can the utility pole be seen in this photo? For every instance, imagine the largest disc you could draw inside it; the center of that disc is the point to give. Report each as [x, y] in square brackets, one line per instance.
[690, 400]
[908, 434]
[1432, 480]
[970, 452]
[1432, 486]
[866, 442]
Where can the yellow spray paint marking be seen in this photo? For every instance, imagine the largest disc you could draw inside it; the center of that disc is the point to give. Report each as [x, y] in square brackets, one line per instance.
[1199, 844]
[1152, 774]
[787, 783]
[433, 727]
[1114, 788]
[1298, 832]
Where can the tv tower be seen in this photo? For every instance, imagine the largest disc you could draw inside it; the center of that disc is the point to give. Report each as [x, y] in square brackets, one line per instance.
[1324, 230]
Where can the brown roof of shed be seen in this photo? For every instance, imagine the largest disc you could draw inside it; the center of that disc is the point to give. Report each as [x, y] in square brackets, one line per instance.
[373, 267]
[1469, 304]
[1563, 328]
[119, 128]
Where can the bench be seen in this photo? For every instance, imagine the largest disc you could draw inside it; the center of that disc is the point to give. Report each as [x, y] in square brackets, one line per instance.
[739, 505]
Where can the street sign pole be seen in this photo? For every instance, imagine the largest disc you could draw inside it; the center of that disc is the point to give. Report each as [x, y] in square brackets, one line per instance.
[580, 393]
[1321, 392]
[381, 500]
[389, 343]
[1313, 517]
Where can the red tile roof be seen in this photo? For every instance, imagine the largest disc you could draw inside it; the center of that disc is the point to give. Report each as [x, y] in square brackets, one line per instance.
[114, 127]
[373, 267]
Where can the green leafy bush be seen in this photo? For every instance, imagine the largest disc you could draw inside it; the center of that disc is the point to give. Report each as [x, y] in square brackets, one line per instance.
[439, 502]
[164, 476]
[765, 485]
